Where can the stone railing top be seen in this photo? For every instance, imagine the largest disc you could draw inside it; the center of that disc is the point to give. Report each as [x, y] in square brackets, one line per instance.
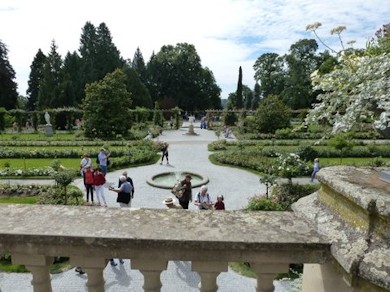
[156, 228]
[361, 185]
[363, 250]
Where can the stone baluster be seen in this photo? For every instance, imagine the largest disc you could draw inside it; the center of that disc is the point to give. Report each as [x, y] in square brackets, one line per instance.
[38, 265]
[94, 268]
[266, 273]
[208, 272]
[151, 269]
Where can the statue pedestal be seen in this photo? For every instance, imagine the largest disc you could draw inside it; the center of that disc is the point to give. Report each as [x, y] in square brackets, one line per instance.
[48, 130]
[191, 129]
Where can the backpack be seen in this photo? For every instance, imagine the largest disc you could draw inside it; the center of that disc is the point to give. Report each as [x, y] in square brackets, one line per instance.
[97, 160]
[208, 201]
[177, 190]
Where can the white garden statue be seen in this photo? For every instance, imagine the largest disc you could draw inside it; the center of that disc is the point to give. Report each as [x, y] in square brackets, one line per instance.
[47, 118]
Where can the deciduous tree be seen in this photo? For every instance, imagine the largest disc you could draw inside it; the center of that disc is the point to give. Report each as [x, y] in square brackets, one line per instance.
[107, 107]
[272, 115]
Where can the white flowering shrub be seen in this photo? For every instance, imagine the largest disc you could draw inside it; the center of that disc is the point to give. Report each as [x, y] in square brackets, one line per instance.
[357, 91]
[48, 171]
[289, 165]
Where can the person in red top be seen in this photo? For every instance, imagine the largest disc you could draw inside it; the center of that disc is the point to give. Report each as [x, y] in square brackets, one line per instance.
[89, 181]
[99, 181]
[219, 204]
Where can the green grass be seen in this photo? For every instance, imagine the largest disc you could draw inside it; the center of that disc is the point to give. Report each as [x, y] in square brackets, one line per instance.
[352, 161]
[37, 136]
[39, 162]
[18, 200]
[6, 266]
[55, 268]
[242, 269]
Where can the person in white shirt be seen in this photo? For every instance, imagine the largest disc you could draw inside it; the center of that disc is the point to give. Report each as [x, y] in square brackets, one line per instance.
[203, 199]
[84, 163]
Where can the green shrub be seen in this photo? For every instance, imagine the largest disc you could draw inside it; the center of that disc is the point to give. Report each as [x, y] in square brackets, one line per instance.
[56, 164]
[55, 196]
[307, 153]
[259, 203]
[287, 194]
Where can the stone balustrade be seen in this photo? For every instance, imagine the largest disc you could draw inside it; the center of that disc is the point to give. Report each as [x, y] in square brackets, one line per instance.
[269, 241]
[352, 209]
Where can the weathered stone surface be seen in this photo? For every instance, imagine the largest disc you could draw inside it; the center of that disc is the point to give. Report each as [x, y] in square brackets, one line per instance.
[113, 231]
[352, 209]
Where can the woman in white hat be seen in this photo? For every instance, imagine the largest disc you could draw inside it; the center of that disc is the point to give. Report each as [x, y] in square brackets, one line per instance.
[170, 203]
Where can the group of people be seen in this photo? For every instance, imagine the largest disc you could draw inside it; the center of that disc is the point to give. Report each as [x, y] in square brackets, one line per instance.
[94, 180]
[183, 192]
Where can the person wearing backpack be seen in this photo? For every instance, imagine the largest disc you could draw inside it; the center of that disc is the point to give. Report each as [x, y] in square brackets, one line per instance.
[203, 199]
[186, 196]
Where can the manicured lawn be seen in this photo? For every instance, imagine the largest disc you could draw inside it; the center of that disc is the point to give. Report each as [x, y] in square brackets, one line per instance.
[37, 136]
[353, 161]
[18, 200]
[39, 163]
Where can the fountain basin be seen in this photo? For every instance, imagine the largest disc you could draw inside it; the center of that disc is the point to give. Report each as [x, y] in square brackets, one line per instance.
[166, 180]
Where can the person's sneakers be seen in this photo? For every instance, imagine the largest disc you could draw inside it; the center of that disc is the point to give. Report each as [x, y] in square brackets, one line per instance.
[113, 263]
[121, 261]
[80, 271]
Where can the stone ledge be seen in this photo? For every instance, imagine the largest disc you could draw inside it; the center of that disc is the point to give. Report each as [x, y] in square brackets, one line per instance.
[106, 231]
[358, 253]
[360, 185]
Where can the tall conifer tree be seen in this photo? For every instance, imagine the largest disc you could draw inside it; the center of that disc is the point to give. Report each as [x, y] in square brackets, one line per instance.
[239, 98]
[8, 87]
[35, 79]
[50, 87]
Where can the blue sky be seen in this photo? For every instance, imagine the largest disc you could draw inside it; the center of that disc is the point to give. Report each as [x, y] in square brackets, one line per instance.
[227, 34]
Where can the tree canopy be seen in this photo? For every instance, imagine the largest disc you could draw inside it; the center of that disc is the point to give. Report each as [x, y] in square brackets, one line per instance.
[8, 87]
[356, 91]
[107, 107]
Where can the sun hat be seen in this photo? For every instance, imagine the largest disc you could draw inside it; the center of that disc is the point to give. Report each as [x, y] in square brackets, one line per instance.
[169, 201]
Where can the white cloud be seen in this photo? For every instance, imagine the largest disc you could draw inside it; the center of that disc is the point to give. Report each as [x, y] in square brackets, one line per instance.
[226, 33]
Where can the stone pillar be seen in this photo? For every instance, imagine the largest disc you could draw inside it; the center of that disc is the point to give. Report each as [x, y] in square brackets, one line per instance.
[38, 265]
[323, 278]
[151, 269]
[208, 272]
[94, 268]
[266, 273]
[49, 130]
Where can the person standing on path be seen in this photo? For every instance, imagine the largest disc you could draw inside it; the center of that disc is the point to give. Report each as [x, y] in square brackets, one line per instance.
[170, 203]
[316, 168]
[203, 199]
[102, 160]
[128, 179]
[219, 204]
[164, 150]
[100, 180]
[89, 181]
[124, 200]
[186, 198]
[85, 161]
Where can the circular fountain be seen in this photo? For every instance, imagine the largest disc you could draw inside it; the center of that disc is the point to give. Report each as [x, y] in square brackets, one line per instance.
[166, 180]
